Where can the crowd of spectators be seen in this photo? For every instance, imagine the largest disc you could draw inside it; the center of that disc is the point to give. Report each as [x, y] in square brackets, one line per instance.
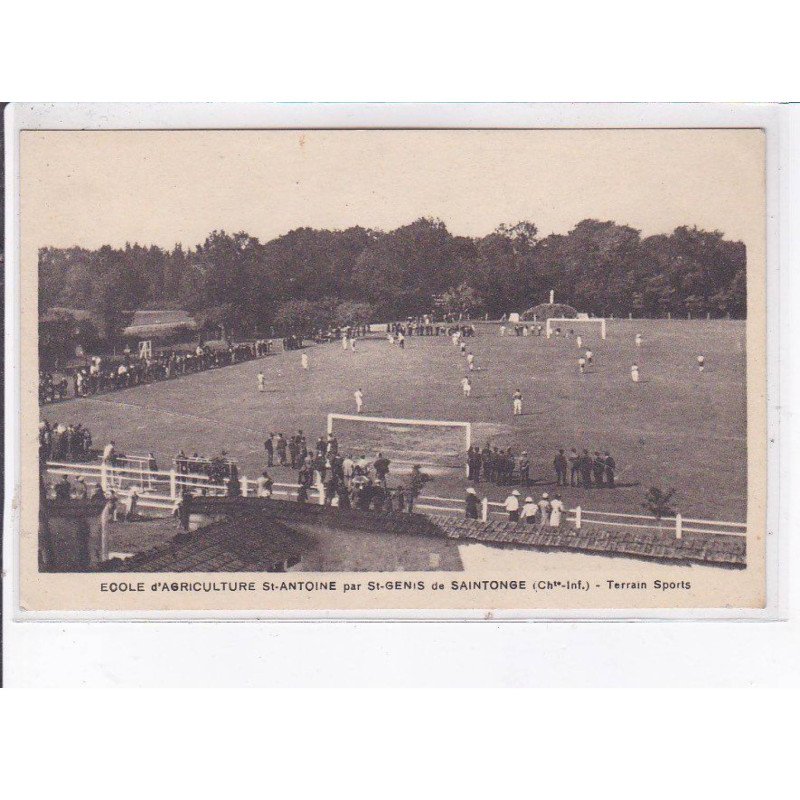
[51, 389]
[504, 467]
[346, 480]
[105, 374]
[425, 326]
[60, 442]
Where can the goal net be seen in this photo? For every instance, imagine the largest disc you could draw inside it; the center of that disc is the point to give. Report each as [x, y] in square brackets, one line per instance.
[439, 447]
[578, 325]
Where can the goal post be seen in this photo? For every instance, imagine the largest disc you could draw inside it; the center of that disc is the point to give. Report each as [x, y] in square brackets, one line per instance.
[439, 445]
[575, 321]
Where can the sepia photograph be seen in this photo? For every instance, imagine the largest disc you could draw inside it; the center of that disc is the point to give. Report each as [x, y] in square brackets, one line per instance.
[483, 358]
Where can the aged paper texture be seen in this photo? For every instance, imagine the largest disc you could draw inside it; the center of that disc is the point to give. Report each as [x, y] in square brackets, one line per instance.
[377, 370]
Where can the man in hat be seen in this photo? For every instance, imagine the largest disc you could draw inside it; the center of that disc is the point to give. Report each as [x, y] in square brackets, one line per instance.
[280, 448]
[586, 469]
[611, 469]
[529, 511]
[560, 465]
[293, 451]
[417, 480]
[511, 505]
[471, 504]
[487, 460]
[524, 468]
[598, 468]
[63, 489]
[381, 466]
[574, 468]
[268, 446]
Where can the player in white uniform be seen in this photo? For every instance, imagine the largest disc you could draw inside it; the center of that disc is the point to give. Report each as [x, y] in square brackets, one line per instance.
[517, 403]
[304, 361]
[471, 362]
[635, 373]
[359, 396]
[589, 355]
[344, 341]
[582, 365]
[466, 386]
[638, 339]
[261, 386]
[701, 363]
[579, 341]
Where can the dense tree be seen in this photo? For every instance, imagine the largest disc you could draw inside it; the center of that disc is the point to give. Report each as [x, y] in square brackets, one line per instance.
[238, 284]
[459, 300]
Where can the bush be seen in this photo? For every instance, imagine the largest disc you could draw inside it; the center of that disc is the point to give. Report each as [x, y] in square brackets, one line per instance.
[657, 502]
[547, 310]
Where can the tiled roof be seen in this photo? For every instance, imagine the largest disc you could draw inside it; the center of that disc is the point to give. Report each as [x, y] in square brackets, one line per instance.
[716, 549]
[159, 321]
[260, 534]
[246, 544]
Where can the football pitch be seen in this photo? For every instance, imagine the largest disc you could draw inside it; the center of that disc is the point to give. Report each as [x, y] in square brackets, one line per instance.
[676, 428]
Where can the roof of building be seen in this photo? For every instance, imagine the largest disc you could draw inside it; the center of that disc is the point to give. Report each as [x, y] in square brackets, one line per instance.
[159, 321]
[60, 313]
[262, 535]
[248, 545]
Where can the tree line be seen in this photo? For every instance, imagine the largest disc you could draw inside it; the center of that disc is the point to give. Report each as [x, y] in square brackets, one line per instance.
[247, 286]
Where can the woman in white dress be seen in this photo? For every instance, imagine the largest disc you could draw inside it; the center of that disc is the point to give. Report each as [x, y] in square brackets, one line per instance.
[556, 510]
[544, 510]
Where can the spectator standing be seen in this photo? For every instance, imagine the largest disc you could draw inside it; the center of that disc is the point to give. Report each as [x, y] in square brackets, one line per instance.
[471, 504]
[560, 465]
[511, 505]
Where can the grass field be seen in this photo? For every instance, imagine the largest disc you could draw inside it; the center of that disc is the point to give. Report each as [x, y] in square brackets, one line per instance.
[676, 428]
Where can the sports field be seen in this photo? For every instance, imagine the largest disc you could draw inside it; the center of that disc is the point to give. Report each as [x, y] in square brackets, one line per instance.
[675, 428]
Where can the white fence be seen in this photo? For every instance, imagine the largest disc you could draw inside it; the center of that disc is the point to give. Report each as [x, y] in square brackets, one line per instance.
[162, 490]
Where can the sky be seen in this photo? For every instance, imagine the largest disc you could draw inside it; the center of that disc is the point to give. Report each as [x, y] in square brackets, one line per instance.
[92, 188]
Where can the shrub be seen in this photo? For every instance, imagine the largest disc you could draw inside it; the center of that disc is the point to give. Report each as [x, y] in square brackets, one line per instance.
[656, 502]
